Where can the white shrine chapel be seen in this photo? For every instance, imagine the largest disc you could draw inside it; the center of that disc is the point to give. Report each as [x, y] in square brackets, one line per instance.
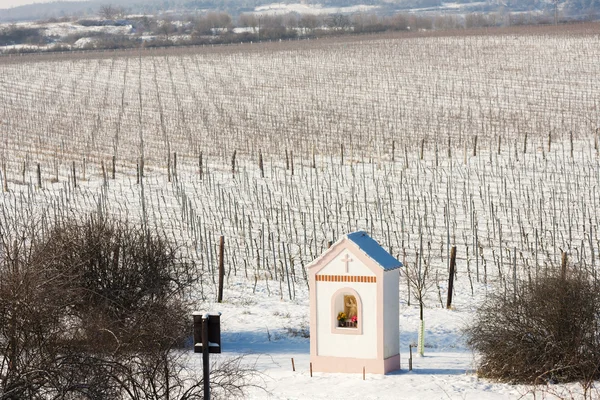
[354, 307]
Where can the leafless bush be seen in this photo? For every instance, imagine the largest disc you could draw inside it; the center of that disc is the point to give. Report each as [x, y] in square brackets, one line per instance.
[546, 332]
[94, 309]
[16, 35]
[303, 331]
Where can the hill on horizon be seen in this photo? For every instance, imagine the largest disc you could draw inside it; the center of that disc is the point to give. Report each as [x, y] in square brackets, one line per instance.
[577, 9]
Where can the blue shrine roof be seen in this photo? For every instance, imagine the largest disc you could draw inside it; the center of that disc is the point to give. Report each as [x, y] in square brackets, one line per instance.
[374, 250]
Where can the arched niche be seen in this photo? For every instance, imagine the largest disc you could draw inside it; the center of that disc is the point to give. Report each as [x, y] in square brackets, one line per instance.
[347, 301]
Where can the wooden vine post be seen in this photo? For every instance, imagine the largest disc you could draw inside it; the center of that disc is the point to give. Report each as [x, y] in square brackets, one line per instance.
[221, 267]
[287, 160]
[233, 162]
[4, 177]
[74, 176]
[451, 277]
[571, 142]
[103, 173]
[39, 176]
[200, 165]
[563, 266]
[260, 164]
[174, 166]
[168, 166]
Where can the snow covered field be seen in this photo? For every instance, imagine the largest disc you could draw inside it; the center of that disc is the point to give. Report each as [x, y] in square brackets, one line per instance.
[486, 143]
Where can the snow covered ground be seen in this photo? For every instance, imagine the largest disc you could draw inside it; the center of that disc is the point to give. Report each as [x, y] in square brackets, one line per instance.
[62, 29]
[258, 326]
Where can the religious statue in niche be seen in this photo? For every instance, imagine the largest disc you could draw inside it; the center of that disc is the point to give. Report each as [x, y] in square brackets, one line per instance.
[350, 309]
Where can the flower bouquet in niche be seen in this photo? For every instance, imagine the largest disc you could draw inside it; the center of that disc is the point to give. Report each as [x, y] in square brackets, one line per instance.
[341, 317]
[354, 320]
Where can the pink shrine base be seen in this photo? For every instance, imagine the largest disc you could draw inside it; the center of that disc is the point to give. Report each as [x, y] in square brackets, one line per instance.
[355, 365]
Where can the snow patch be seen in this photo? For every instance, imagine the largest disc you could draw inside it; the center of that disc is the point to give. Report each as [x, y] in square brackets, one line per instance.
[317, 9]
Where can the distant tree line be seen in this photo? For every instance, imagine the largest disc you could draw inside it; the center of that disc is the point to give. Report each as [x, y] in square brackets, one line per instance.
[21, 35]
[222, 28]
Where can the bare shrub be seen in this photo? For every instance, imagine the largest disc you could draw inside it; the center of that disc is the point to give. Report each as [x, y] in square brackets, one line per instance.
[95, 309]
[546, 332]
[14, 34]
[303, 331]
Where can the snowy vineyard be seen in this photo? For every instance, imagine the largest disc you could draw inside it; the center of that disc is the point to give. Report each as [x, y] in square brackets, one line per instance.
[489, 144]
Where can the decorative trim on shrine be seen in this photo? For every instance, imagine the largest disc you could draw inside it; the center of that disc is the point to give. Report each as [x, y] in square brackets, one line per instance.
[345, 278]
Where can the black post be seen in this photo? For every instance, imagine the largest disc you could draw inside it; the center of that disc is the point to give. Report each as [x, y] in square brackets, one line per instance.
[205, 361]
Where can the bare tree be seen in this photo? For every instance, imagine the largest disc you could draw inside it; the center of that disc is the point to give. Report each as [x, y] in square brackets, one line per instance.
[309, 22]
[417, 275]
[166, 28]
[108, 11]
[248, 21]
[339, 21]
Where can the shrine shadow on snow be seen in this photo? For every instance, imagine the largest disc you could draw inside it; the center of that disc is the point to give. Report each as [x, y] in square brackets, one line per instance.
[273, 341]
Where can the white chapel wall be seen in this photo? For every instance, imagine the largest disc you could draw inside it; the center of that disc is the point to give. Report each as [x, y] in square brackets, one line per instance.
[341, 345]
[391, 324]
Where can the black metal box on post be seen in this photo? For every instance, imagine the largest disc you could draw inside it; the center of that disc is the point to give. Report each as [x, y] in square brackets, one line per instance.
[207, 339]
[213, 322]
